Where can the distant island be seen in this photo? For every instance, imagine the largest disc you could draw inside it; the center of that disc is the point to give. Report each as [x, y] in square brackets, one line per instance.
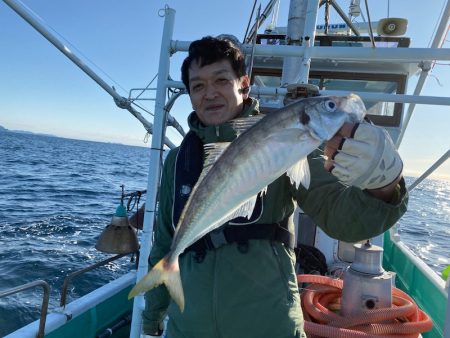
[26, 132]
[3, 129]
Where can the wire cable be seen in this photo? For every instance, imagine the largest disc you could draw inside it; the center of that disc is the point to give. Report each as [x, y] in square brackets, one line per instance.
[143, 90]
[72, 46]
[436, 25]
[249, 21]
[370, 24]
[143, 108]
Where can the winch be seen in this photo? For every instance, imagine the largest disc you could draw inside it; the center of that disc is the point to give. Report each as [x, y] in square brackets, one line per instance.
[367, 285]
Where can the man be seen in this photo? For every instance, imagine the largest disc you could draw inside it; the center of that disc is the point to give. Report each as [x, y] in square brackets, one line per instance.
[247, 287]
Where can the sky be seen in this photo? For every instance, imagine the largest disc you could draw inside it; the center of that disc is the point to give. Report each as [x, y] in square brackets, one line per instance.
[43, 91]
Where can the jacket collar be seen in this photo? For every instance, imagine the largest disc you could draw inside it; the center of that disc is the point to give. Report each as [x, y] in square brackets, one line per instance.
[223, 132]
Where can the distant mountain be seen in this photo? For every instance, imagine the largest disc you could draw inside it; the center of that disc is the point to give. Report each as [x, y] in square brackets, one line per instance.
[3, 129]
[22, 131]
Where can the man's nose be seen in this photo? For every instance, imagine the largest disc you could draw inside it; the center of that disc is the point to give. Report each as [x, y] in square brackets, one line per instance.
[210, 91]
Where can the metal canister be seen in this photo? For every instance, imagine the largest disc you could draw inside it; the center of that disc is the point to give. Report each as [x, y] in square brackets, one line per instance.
[367, 285]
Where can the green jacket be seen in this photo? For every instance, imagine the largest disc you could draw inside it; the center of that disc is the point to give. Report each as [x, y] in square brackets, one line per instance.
[255, 294]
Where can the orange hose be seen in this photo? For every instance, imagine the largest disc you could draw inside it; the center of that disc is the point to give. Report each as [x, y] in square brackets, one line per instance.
[322, 298]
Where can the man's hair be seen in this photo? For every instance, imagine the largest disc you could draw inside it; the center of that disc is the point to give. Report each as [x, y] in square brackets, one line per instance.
[209, 50]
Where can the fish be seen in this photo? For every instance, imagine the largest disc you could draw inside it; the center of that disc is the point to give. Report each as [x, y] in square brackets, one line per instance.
[266, 147]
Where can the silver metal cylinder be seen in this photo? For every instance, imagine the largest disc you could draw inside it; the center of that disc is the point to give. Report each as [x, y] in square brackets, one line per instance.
[366, 285]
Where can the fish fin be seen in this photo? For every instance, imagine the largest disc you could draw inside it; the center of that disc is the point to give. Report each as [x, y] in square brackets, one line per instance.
[245, 210]
[242, 124]
[162, 273]
[212, 153]
[299, 173]
[264, 191]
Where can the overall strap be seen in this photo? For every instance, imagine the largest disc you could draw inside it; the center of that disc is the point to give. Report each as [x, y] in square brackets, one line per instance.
[188, 167]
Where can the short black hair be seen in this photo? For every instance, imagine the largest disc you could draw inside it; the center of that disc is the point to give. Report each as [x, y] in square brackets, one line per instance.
[208, 50]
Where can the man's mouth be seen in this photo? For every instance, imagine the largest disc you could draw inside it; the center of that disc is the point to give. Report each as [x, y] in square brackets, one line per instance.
[214, 107]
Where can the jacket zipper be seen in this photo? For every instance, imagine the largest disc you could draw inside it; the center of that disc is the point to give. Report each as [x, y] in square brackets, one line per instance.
[284, 278]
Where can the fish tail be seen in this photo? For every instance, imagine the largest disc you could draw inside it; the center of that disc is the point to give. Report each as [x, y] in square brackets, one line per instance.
[165, 272]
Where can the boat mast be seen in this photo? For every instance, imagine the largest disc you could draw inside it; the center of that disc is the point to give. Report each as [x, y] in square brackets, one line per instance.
[301, 31]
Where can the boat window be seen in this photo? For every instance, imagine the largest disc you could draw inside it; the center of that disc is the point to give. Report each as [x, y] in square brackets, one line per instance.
[381, 113]
[373, 108]
[339, 40]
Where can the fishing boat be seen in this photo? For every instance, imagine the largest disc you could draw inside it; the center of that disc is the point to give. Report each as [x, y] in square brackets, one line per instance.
[304, 58]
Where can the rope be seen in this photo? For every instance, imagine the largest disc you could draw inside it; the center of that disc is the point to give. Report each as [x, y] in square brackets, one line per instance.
[327, 16]
[321, 305]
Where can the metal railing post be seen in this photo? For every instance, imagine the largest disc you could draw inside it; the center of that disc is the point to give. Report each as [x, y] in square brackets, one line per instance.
[155, 164]
[45, 300]
[71, 276]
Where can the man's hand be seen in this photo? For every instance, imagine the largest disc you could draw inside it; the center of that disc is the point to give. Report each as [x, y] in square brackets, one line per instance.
[363, 155]
[155, 335]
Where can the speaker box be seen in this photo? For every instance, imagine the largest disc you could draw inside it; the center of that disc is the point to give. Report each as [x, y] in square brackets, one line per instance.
[392, 26]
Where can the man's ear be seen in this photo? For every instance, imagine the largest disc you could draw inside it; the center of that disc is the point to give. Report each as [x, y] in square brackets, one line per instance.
[245, 86]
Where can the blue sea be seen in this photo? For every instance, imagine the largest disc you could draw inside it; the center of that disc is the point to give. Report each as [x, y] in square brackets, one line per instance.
[58, 194]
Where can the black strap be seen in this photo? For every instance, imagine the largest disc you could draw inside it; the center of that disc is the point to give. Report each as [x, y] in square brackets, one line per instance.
[188, 167]
[241, 234]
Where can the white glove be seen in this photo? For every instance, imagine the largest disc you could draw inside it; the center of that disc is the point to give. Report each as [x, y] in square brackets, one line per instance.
[367, 160]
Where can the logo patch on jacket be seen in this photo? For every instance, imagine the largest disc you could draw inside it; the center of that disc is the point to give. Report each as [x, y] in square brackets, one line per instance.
[185, 190]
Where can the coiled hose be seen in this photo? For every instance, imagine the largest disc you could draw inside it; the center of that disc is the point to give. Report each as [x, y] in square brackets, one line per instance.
[321, 305]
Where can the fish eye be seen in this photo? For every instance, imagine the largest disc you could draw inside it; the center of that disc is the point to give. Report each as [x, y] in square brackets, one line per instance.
[329, 105]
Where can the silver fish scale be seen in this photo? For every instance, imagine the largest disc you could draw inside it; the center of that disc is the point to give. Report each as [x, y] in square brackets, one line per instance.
[255, 159]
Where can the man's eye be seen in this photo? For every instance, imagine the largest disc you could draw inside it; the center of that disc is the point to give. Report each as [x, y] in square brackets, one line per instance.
[222, 81]
[197, 87]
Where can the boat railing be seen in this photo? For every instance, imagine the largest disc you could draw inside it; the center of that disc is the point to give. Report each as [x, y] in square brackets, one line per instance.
[258, 91]
[75, 274]
[45, 300]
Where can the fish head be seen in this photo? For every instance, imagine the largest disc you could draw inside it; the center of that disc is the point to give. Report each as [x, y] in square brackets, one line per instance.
[323, 116]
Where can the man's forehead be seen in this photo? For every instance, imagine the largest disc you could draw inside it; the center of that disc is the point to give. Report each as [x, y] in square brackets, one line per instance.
[216, 68]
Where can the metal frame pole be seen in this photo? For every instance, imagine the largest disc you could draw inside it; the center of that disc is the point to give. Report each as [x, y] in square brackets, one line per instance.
[430, 170]
[294, 36]
[411, 55]
[310, 33]
[155, 165]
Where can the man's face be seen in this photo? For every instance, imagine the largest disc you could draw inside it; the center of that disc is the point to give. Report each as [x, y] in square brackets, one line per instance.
[215, 93]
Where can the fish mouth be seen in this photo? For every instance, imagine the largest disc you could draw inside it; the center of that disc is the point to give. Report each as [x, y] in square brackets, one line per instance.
[315, 136]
